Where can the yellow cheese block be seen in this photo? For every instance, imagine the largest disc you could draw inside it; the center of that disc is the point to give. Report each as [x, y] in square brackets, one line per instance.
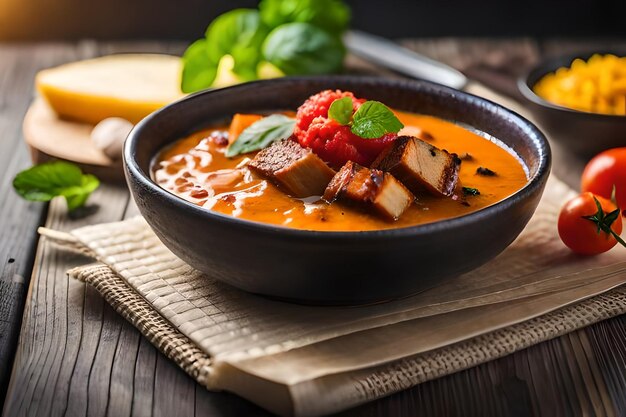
[130, 86]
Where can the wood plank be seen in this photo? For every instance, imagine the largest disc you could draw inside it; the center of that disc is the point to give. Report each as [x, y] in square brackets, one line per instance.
[143, 388]
[123, 371]
[63, 323]
[18, 218]
[170, 382]
[607, 340]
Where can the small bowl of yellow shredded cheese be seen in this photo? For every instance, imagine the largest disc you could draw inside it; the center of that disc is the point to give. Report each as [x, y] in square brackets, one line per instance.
[580, 100]
[597, 85]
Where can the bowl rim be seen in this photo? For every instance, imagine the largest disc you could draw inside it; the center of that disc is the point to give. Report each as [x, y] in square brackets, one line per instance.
[548, 65]
[533, 183]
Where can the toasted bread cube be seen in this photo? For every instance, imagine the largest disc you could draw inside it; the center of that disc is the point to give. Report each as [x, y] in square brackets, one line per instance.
[369, 188]
[420, 166]
[298, 170]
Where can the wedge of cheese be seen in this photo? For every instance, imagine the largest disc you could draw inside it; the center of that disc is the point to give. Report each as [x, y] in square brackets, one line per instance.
[130, 86]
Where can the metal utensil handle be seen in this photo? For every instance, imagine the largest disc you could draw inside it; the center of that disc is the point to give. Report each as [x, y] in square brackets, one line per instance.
[389, 54]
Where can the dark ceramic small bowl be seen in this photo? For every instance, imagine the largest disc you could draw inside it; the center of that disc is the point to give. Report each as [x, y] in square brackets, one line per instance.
[332, 267]
[585, 134]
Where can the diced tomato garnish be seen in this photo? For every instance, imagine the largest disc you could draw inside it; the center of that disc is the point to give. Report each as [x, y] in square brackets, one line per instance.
[335, 143]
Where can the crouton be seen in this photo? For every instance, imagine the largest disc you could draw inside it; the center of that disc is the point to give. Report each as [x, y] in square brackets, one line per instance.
[296, 169]
[369, 188]
[420, 166]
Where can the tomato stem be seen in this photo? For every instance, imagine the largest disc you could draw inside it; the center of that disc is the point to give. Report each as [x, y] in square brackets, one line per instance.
[605, 221]
[619, 239]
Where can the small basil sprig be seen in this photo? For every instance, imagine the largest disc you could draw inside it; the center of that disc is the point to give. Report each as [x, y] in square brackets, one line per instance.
[45, 181]
[239, 33]
[295, 36]
[302, 48]
[341, 110]
[261, 134]
[332, 16]
[372, 120]
[198, 68]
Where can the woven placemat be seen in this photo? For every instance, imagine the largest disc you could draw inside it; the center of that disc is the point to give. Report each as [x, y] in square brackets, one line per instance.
[375, 382]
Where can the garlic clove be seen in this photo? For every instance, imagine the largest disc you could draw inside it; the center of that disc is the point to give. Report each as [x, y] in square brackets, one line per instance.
[109, 136]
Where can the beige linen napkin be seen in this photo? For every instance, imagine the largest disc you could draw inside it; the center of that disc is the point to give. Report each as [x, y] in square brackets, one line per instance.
[307, 360]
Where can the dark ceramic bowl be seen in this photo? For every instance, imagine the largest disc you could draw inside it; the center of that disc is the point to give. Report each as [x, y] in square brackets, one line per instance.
[332, 267]
[583, 133]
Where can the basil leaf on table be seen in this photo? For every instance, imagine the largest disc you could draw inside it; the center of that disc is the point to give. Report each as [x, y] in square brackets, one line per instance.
[45, 181]
[373, 120]
[261, 134]
[341, 110]
[302, 48]
[199, 71]
[331, 15]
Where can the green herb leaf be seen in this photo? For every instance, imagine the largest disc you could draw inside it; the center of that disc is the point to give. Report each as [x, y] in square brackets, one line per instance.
[302, 48]
[373, 120]
[341, 110]
[470, 191]
[239, 33]
[306, 40]
[199, 70]
[46, 181]
[261, 134]
[331, 15]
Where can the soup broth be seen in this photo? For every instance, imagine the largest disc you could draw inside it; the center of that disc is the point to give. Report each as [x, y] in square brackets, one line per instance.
[196, 169]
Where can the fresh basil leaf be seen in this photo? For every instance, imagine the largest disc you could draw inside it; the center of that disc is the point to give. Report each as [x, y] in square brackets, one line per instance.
[302, 48]
[261, 134]
[239, 33]
[331, 15]
[199, 70]
[341, 110]
[373, 120]
[46, 181]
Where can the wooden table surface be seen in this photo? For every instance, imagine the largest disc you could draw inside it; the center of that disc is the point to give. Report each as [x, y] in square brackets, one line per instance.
[77, 357]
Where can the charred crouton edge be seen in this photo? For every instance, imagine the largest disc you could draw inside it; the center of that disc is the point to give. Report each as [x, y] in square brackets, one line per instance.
[296, 169]
[420, 166]
[369, 188]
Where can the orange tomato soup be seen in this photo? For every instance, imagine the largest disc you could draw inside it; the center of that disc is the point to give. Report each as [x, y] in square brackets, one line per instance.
[196, 169]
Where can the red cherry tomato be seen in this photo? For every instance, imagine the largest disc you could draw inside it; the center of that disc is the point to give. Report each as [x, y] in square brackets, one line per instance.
[606, 171]
[588, 229]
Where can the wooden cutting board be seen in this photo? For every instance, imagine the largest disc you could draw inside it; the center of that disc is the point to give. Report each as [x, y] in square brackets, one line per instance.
[52, 138]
